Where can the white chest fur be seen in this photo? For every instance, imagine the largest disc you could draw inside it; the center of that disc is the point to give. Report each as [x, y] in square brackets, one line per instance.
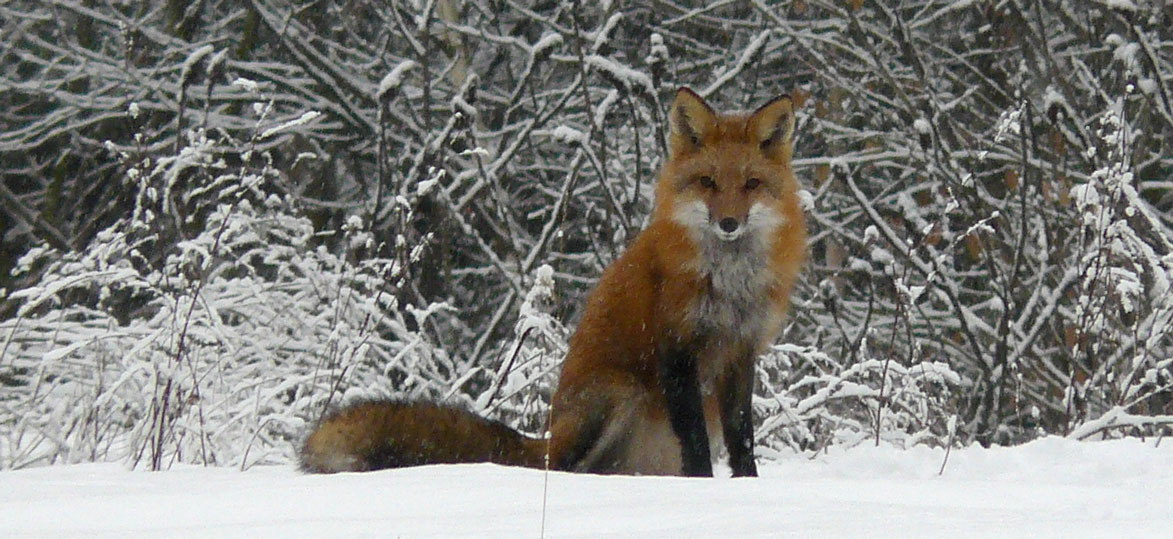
[736, 303]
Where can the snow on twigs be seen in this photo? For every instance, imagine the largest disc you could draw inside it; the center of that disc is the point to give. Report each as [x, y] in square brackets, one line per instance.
[624, 76]
[990, 257]
[1117, 418]
[195, 59]
[304, 119]
[244, 332]
[394, 79]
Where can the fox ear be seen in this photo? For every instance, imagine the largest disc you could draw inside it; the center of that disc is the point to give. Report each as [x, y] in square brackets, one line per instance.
[691, 120]
[773, 124]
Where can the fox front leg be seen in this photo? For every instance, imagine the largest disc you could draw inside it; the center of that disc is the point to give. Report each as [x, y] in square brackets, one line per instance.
[678, 377]
[736, 403]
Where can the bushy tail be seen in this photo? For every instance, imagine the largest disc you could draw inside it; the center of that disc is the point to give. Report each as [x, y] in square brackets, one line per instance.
[372, 435]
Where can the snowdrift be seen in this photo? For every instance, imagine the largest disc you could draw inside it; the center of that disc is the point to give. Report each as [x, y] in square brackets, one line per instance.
[1049, 488]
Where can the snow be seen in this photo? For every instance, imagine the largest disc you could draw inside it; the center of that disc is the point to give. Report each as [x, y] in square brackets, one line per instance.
[751, 51]
[568, 135]
[192, 61]
[632, 79]
[248, 84]
[922, 126]
[659, 51]
[1148, 86]
[1052, 487]
[950, 7]
[1123, 5]
[604, 33]
[548, 41]
[1009, 123]
[394, 79]
[305, 118]
[806, 200]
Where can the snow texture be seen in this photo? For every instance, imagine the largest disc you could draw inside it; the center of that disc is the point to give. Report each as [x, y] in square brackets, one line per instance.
[300, 120]
[394, 79]
[1123, 5]
[1048, 488]
[628, 77]
[193, 60]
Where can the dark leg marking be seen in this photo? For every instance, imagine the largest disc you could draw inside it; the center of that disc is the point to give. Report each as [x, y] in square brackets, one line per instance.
[678, 377]
[737, 419]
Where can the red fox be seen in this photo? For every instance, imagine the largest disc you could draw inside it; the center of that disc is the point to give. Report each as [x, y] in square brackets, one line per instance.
[660, 370]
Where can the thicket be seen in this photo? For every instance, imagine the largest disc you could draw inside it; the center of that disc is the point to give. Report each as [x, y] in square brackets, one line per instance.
[221, 218]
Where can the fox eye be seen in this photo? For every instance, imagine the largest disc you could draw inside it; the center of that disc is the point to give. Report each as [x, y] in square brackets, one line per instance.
[707, 182]
[752, 184]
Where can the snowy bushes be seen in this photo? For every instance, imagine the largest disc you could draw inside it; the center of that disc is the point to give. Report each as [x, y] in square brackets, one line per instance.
[412, 198]
[1125, 312]
[814, 401]
[214, 349]
[952, 146]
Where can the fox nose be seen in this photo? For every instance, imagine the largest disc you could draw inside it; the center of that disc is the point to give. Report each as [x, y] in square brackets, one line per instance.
[728, 224]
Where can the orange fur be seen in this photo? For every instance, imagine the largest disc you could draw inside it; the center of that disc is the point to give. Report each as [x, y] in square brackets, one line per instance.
[387, 434]
[670, 332]
[650, 295]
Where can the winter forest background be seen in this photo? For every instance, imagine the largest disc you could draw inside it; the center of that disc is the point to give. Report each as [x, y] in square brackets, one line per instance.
[220, 218]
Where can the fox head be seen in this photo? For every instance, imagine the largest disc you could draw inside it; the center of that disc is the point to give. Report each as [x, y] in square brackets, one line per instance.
[728, 176]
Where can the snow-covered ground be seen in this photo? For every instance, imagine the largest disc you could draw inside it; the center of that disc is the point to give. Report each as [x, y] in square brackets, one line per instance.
[1049, 488]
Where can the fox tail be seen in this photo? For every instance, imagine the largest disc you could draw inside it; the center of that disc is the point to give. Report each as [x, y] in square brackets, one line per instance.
[372, 435]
